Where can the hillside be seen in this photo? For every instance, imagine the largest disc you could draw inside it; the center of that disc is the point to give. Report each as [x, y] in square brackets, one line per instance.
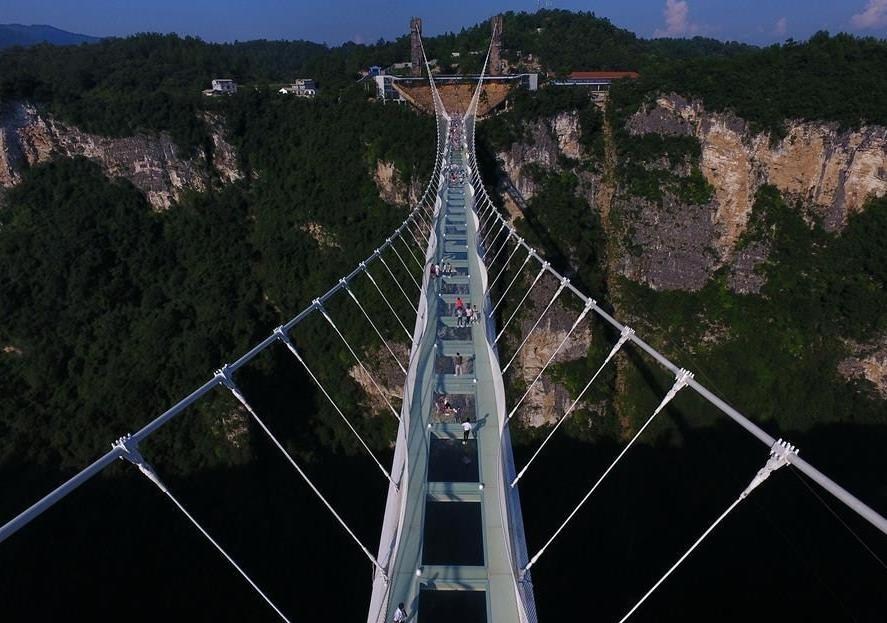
[21, 35]
[715, 202]
[729, 205]
[624, 174]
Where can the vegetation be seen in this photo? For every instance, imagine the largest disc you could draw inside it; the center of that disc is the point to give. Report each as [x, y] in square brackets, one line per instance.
[113, 311]
[778, 353]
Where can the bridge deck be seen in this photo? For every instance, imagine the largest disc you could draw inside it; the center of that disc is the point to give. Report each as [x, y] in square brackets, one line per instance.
[453, 561]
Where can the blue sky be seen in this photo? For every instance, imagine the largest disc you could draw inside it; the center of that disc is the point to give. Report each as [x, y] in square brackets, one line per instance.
[335, 21]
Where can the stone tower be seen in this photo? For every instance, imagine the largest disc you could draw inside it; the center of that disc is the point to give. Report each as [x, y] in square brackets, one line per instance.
[495, 67]
[416, 46]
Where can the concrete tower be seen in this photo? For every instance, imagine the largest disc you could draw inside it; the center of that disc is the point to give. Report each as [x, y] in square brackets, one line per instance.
[495, 66]
[416, 46]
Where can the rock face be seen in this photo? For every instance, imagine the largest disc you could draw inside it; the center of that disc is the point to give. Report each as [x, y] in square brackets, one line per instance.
[386, 376]
[548, 140]
[868, 362]
[151, 163]
[547, 400]
[392, 189]
[669, 244]
[833, 172]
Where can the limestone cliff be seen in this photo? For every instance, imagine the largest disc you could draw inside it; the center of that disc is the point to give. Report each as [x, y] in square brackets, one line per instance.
[829, 171]
[867, 362]
[547, 400]
[826, 172]
[547, 142]
[392, 188]
[151, 163]
[548, 145]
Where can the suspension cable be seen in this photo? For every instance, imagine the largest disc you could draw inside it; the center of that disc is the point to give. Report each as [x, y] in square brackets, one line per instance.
[375, 328]
[422, 240]
[130, 452]
[415, 240]
[405, 267]
[500, 249]
[283, 337]
[557, 293]
[489, 230]
[488, 217]
[780, 454]
[386, 301]
[225, 378]
[413, 255]
[504, 266]
[493, 242]
[524, 298]
[397, 283]
[487, 235]
[681, 380]
[514, 279]
[329, 319]
[579, 319]
[624, 337]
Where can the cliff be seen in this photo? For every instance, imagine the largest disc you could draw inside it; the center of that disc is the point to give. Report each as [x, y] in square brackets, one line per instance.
[825, 173]
[392, 188]
[151, 163]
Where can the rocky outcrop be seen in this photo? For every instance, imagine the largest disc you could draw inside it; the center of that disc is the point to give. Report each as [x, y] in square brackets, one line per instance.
[666, 246]
[151, 163]
[546, 142]
[392, 188]
[867, 362]
[321, 235]
[547, 400]
[233, 428]
[746, 276]
[386, 376]
[833, 172]
[829, 172]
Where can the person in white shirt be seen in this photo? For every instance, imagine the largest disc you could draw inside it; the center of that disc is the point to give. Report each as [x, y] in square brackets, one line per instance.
[400, 615]
[466, 430]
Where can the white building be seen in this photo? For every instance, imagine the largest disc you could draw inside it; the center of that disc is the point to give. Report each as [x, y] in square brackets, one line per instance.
[385, 90]
[222, 86]
[303, 87]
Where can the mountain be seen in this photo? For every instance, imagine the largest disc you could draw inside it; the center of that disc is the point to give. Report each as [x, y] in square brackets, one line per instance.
[729, 205]
[19, 34]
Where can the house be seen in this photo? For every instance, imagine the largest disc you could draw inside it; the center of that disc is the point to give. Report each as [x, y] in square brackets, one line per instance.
[222, 86]
[302, 87]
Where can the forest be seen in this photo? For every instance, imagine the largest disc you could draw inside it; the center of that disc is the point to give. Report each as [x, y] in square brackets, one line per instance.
[308, 164]
[112, 311]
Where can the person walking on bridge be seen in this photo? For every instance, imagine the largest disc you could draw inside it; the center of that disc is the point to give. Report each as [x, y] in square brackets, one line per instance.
[466, 430]
[400, 615]
[459, 364]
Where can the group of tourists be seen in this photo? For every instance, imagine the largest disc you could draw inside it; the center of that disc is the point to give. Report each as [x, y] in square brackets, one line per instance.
[456, 132]
[445, 408]
[466, 314]
[438, 270]
[456, 175]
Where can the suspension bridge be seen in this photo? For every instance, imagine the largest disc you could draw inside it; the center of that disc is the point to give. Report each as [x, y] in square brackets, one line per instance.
[452, 536]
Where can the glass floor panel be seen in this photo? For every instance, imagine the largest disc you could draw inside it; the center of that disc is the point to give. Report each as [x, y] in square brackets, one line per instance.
[451, 460]
[453, 534]
[452, 606]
